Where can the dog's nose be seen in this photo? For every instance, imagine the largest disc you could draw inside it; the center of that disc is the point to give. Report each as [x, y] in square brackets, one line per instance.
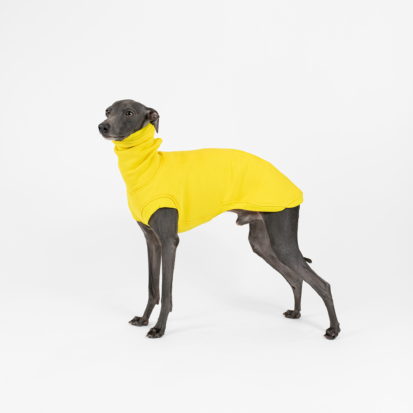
[103, 127]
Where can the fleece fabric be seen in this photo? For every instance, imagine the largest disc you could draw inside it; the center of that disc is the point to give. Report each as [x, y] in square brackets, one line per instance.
[200, 184]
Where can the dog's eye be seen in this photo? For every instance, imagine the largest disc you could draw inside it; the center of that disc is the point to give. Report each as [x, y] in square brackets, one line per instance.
[107, 112]
[129, 113]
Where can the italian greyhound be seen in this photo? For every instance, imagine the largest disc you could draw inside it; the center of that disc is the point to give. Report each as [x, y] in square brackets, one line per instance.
[272, 235]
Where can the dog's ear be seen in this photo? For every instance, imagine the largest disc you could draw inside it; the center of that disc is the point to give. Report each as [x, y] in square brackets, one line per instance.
[153, 116]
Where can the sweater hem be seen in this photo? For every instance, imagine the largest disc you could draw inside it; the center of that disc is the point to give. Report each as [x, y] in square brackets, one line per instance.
[184, 226]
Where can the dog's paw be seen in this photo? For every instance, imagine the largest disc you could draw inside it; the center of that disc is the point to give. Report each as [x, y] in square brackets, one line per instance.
[332, 333]
[292, 314]
[139, 321]
[155, 333]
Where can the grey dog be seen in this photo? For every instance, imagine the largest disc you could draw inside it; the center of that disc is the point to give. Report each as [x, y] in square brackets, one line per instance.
[272, 235]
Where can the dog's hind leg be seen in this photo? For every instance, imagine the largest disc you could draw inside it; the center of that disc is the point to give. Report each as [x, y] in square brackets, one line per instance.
[260, 243]
[282, 229]
[154, 265]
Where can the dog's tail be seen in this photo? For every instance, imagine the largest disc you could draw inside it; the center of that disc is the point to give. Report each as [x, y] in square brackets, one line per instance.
[308, 260]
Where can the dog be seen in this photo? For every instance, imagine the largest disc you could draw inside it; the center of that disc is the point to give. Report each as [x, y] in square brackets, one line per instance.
[172, 192]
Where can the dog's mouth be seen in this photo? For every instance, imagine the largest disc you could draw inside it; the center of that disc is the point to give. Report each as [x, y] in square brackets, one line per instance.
[113, 138]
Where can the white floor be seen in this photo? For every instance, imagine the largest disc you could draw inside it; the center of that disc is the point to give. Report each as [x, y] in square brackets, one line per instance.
[67, 345]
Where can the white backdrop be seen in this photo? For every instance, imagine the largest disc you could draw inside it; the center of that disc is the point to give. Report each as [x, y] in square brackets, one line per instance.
[321, 89]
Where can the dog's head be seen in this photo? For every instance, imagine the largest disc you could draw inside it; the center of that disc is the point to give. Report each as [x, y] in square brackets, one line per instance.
[125, 117]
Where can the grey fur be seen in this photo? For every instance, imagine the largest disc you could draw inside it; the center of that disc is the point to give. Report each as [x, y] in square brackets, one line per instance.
[272, 235]
[119, 125]
[162, 240]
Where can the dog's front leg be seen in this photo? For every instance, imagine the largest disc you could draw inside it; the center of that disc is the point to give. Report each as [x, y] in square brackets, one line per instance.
[154, 265]
[164, 223]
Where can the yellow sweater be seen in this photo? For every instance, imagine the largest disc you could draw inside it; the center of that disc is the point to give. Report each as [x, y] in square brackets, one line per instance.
[200, 184]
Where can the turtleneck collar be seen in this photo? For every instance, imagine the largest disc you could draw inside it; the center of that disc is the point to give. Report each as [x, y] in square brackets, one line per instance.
[139, 137]
[138, 157]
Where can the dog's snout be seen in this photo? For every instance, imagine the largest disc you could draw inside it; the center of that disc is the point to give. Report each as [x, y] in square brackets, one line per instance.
[104, 127]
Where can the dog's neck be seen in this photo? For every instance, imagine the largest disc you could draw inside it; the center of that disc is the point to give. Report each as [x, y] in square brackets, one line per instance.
[138, 157]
